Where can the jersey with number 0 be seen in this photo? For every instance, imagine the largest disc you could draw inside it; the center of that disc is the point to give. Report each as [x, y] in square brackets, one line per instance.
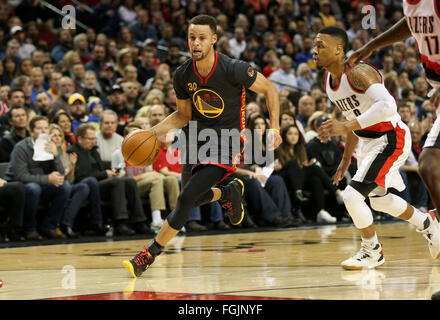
[383, 147]
[352, 103]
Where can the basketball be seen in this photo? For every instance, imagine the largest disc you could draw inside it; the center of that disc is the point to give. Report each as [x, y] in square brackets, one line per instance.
[140, 148]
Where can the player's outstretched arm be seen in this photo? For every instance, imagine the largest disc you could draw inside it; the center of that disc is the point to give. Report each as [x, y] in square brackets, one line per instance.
[175, 120]
[398, 32]
[266, 87]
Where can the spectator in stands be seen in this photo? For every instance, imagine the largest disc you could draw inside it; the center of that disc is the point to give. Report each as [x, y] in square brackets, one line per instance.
[98, 60]
[66, 90]
[149, 182]
[302, 173]
[91, 86]
[272, 63]
[43, 102]
[87, 188]
[44, 181]
[145, 66]
[78, 76]
[123, 59]
[12, 202]
[131, 90]
[54, 85]
[81, 46]
[404, 110]
[306, 107]
[108, 141]
[141, 29]
[117, 102]
[312, 130]
[273, 185]
[18, 121]
[37, 80]
[24, 83]
[238, 42]
[65, 43]
[64, 121]
[284, 77]
[95, 106]
[122, 192]
[306, 78]
[79, 112]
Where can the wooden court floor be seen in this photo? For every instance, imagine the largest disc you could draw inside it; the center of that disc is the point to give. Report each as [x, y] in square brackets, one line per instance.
[287, 264]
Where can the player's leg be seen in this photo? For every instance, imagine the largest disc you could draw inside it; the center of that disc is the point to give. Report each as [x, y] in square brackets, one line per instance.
[370, 254]
[199, 184]
[429, 166]
[427, 224]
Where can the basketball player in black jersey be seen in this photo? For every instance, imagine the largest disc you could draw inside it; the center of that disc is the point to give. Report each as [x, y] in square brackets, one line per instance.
[210, 90]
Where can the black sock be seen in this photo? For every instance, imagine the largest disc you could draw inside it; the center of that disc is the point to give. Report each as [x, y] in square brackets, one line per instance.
[154, 248]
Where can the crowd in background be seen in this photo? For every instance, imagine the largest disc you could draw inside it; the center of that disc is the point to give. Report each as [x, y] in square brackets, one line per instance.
[84, 89]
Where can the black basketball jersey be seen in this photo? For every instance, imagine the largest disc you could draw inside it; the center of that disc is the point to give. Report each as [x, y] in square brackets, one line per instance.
[219, 99]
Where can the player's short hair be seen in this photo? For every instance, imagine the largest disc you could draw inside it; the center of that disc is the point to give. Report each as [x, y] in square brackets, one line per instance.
[337, 33]
[204, 19]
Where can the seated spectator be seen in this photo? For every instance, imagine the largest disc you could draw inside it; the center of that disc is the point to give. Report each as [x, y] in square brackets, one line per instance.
[284, 77]
[306, 107]
[12, 202]
[64, 120]
[131, 90]
[18, 121]
[306, 78]
[95, 106]
[300, 173]
[122, 192]
[44, 182]
[108, 141]
[88, 188]
[117, 102]
[312, 130]
[91, 86]
[37, 80]
[61, 103]
[287, 118]
[98, 61]
[54, 85]
[79, 112]
[145, 66]
[43, 103]
[272, 185]
[149, 182]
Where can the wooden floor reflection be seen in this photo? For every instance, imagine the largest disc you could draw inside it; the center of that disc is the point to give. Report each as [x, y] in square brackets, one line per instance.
[287, 264]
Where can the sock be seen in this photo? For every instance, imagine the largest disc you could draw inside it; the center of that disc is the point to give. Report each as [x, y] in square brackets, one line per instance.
[154, 248]
[156, 216]
[419, 219]
[371, 242]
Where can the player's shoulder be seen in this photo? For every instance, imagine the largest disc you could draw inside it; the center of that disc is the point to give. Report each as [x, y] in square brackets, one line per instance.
[184, 67]
[363, 75]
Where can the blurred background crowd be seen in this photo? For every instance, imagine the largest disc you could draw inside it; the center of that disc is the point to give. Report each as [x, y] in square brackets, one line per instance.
[84, 88]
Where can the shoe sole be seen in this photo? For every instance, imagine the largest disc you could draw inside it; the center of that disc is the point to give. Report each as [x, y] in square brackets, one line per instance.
[127, 264]
[348, 267]
[242, 208]
[435, 220]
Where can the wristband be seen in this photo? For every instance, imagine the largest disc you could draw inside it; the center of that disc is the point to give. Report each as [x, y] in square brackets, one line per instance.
[276, 130]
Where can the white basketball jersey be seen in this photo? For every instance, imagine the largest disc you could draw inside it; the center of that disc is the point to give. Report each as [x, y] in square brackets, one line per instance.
[353, 103]
[423, 18]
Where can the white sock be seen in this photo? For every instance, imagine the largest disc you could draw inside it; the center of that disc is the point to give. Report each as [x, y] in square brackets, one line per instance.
[371, 242]
[418, 219]
[156, 215]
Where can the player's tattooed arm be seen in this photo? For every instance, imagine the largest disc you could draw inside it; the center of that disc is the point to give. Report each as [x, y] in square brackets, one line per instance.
[362, 76]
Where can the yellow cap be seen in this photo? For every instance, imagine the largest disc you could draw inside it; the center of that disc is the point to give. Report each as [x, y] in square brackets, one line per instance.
[76, 96]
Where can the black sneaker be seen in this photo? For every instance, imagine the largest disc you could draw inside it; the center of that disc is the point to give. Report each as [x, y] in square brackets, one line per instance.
[231, 200]
[139, 263]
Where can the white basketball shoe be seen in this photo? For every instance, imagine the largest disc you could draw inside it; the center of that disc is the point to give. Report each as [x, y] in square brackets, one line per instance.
[365, 258]
[432, 234]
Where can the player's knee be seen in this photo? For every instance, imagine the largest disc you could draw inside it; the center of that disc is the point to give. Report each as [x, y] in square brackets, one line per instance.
[351, 196]
[379, 203]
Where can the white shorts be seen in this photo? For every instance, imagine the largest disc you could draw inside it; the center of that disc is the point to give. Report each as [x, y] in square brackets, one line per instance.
[380, 158]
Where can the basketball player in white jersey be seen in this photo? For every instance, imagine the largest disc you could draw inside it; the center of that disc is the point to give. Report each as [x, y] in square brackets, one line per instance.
[422, 21]
[383, 142]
